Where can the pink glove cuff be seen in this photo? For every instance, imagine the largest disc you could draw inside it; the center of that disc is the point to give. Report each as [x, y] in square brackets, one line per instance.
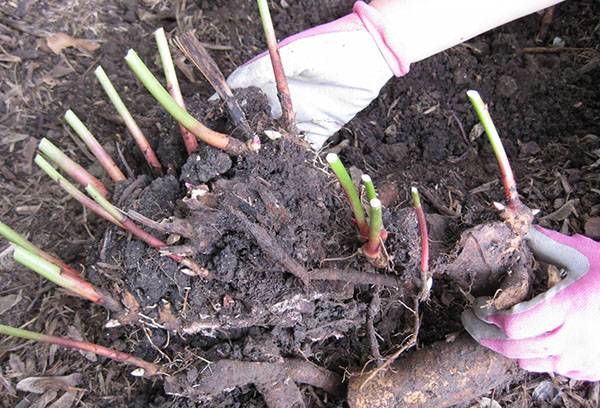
[388, 44]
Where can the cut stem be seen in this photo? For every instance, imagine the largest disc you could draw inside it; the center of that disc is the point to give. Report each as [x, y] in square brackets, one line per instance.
[131, 124]
[200, 57]
[369, 187]
[54, 274]
[74, 170]
[508, 179]
[351, 192]
[416, 198]
[95, 147]
[215, 139]
[372, 248]
[15, 238]
[74, 191]
[283, 91]
[189, 140]
[148, 369]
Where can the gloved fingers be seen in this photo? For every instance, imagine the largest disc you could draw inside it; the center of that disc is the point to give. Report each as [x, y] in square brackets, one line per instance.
[560, 250]
[542, 314]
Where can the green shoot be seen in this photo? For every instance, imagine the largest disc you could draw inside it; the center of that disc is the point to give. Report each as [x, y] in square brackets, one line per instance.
[351, 192]
[369, 187]
[17, 239]
[73, 191]
[508, 179]
[74, 170]
[215, 139]
[130, 123]
[283, 91]
[145, 368]
[54, 274]
[191, 144]
[95, 147]
[372, 248]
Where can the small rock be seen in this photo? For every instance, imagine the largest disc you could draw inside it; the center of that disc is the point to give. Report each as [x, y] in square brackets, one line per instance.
[507, 86]
[592, 227]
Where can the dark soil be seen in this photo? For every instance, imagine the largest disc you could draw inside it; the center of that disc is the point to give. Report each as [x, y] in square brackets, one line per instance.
[254, 309]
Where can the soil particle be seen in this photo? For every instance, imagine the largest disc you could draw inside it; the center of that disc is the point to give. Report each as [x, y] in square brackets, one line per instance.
[205, 165]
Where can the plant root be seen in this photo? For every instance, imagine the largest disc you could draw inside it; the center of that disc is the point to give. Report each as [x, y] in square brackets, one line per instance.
[276, 381]
[442, 375]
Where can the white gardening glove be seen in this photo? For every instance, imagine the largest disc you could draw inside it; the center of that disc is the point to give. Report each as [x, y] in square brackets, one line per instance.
[334, 71]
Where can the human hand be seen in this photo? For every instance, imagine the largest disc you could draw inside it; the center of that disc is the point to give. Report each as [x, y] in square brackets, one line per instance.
[334, 71]
[558, 330]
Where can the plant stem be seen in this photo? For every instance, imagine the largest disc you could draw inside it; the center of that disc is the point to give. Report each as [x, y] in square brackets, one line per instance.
[283, 91]
[96, 148]
[351, 192]
[74, 191]
[15, 238]
[215, 139]
[189, 140]
[422, 230]
[372, 247]
[54, 274]
[369, 187]
[74, 170]
[131, 124]
[149, 369]
[200, 57]
[508, 179]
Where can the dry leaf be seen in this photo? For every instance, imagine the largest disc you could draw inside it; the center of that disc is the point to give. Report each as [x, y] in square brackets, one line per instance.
[39, 385]
[44, 400]
[8, 302]
[59, 41]
[66, 401]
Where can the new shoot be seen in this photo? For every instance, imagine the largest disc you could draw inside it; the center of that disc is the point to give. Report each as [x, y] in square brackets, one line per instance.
[17, 239]
[283, 90]
[508, 179]
[209, 136]
[369, 187]
[130, 123]
[351, 192]
[54, 274]
[95, 147]
[73, 191]
[145, 368]
[424, 265]
[189, 140]
[372, 248]
[74, 170]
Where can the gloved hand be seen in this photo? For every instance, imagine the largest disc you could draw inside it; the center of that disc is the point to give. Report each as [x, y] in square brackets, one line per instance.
[557, 331]
[334, 71]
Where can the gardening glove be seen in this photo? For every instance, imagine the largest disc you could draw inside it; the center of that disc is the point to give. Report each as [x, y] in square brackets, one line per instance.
[557, 331]
[335, 70]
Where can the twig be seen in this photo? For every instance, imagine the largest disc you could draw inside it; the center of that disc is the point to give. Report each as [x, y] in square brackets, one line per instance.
[190, 142]
[283, 91]
[374, 307]
[200, 57]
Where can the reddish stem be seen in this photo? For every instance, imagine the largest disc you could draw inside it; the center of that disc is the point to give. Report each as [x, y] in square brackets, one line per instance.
[149, 368]
[189, 140]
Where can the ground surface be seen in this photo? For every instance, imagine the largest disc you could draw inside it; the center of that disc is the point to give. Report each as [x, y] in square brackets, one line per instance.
[546, 107]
